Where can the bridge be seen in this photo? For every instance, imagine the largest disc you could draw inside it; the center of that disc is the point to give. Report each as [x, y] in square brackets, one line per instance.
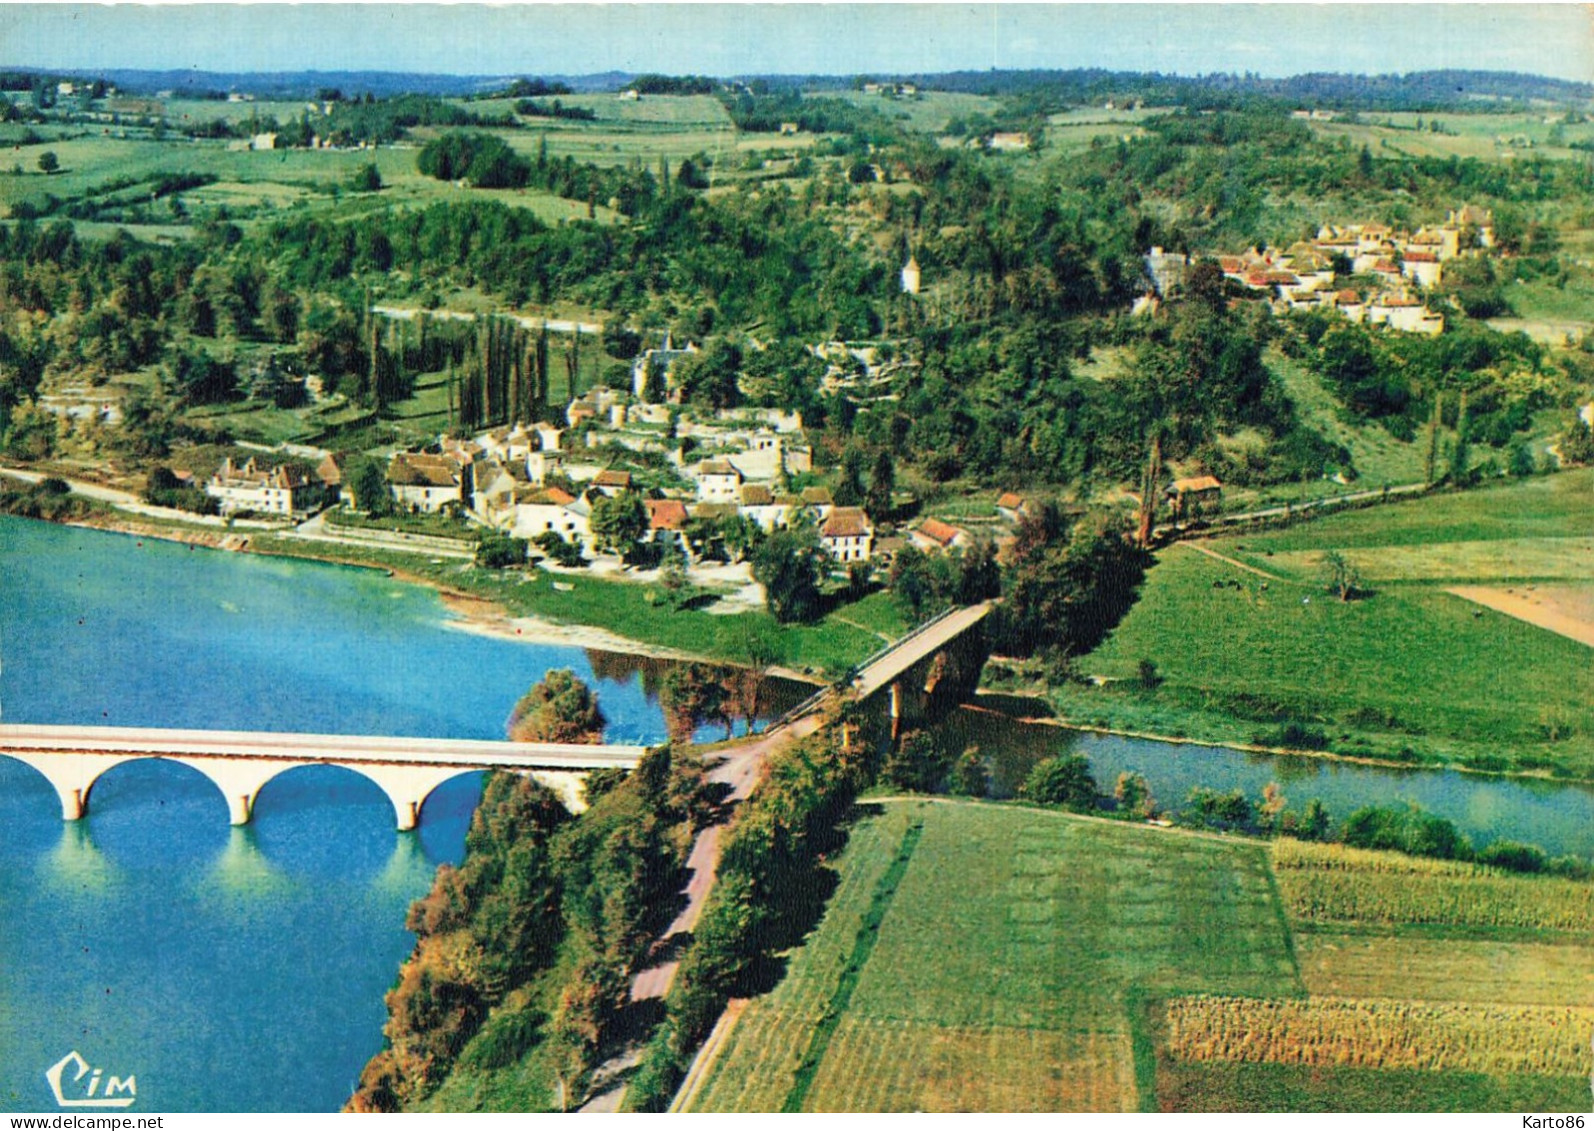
[240, 763]
[920, 662]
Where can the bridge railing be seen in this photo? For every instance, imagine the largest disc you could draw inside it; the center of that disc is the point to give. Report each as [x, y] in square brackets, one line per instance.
[808, 704]
[912, 634]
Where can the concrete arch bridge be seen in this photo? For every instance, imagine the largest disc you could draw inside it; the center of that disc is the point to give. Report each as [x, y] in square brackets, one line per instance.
[240, 763]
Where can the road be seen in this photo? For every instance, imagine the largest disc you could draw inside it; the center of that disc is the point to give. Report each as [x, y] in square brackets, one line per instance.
[740, 771]
[1221, 521]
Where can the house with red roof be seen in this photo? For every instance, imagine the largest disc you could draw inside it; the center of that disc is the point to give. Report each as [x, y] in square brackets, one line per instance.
[934, 536]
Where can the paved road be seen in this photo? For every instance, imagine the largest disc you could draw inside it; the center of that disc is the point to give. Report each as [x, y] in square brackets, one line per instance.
[915, 647]
[741, 772]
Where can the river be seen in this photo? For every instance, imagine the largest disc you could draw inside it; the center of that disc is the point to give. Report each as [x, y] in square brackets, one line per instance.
[244, 969]
[232, 969]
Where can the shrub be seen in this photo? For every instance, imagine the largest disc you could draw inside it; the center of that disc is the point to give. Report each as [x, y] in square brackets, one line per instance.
[1062, 780]
[1513, 856]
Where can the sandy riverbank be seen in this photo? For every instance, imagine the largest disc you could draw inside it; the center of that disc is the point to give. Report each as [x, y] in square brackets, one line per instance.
[472, 613]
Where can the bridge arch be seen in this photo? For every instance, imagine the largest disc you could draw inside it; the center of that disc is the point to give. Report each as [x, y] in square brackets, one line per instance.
[30, 772]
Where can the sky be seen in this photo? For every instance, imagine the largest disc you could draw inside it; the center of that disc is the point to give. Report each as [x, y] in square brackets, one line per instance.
[839, 38]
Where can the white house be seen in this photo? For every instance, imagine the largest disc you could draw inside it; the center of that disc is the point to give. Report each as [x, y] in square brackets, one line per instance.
[760, 504]
[539, 510]
[284, 490]
[425, 483]
[718, 481]
[847, 535]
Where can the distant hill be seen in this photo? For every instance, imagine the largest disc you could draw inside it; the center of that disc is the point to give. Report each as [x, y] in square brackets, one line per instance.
[1422, 90]
[305, 84]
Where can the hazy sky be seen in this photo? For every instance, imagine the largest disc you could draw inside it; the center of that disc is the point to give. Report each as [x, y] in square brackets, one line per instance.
[838, 38]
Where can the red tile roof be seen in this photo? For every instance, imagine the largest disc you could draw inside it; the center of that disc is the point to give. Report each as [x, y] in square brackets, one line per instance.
[941, 533]
[1198, 483]
[665, 514]
[1010, 501]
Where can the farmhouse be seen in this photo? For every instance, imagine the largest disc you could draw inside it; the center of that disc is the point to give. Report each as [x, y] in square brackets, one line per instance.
[1191, 497]
[284, 490]
[934, 536]
[847, 535]
[425, 483]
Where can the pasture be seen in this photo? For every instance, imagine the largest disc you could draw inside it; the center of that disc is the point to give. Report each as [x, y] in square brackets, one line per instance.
[1002, 973]
[1409, 671]
[1500, 137]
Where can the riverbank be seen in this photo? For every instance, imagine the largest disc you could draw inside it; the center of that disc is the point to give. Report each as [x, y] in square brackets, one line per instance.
[537, 608]
[1229, 733]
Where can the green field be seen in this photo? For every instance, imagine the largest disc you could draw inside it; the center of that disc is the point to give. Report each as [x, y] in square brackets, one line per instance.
[978, 957]
[827, 647]
[1408, 671]
[1006, 965]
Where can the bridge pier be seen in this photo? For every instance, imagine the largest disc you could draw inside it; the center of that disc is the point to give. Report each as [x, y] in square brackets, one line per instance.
[72, 776]
[240, 781]
[239, 764]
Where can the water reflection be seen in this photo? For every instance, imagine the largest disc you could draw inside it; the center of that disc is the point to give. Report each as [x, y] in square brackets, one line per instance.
[76, 865]
[242, 871]
[1557, 816]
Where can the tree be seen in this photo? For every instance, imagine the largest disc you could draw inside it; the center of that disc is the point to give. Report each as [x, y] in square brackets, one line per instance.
[1577, 443]
[918, 763]
[560, 708]
[48, 162]
[618, 521]
[368, 482]
[789, 565]
[1061, 780]
[673, 579]
[498, 550]
[882, 481]
[969, 776]
[849, 488]
[367, 179]
[1340, 575]
[1068, 583]
[1133, 795]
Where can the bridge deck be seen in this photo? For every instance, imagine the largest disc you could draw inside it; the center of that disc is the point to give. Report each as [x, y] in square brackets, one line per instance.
[353, 748]
[913, 648]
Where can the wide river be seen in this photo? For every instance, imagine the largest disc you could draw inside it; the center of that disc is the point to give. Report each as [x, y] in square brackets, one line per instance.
[244, 969]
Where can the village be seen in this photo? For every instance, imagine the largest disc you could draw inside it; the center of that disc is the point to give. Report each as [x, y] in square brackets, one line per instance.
[702, 486]
[707, 485]
[1389, 270]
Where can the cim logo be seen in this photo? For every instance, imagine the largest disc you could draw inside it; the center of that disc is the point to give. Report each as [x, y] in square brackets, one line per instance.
[118, 1092]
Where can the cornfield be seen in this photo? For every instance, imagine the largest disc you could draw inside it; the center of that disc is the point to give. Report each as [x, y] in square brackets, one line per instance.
[1350, 1032]
[1330, 883]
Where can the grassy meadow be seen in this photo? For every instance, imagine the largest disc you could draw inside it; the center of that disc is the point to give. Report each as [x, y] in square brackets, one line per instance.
[1004, 971]
[980, 957]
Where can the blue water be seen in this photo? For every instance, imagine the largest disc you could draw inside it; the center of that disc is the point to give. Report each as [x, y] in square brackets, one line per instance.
[230, 969]
[1558, 817]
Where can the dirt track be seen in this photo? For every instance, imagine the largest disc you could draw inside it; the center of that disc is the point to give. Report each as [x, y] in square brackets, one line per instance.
[1566, 610]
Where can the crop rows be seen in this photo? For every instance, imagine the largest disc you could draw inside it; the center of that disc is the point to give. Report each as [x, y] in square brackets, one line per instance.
[1350, 1032]
[1338, 885]
[876, 1065]
[1415, 968]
